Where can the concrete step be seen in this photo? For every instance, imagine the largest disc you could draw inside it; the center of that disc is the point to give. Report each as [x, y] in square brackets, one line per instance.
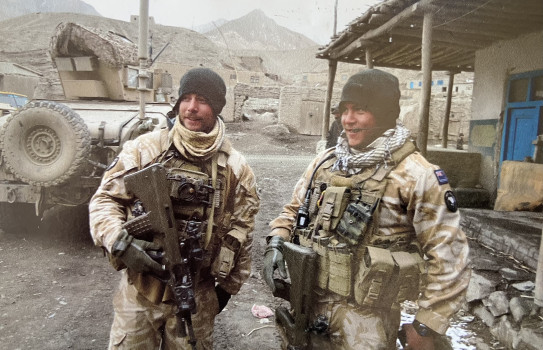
[515, 233]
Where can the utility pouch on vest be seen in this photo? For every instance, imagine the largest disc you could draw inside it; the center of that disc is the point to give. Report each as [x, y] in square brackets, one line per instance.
[355, 221]
[231, 244]
[409, 271]
[304, 236]
[371, 283]
[192, 190]
[313, 203]
[320, 245]
[340, 278]
[333, 204]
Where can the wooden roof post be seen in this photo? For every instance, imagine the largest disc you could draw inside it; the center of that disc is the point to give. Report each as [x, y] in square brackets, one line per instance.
[445, 130]
[332, 68]
[426, 65]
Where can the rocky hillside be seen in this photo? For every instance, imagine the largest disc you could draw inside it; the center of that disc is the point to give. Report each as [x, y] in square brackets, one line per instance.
[282, 51]
[30, 47]
[16, 8]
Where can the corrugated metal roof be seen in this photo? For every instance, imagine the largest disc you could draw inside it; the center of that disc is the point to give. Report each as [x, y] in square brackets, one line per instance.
[392, 31]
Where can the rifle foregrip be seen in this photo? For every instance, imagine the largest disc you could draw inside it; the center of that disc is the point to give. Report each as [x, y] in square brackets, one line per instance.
[139, 226]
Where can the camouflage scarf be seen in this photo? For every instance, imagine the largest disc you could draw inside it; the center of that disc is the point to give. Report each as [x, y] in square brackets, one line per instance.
[196, 145]
[376, 153]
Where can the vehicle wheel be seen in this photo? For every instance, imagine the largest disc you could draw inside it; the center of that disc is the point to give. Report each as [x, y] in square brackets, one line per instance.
[18, 218]
[45, 143]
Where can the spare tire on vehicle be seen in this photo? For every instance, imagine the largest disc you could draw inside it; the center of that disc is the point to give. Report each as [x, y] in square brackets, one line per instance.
[45, 143]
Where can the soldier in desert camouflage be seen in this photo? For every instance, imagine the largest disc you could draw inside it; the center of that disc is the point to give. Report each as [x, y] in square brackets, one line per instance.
[384, 224]
[194, 151]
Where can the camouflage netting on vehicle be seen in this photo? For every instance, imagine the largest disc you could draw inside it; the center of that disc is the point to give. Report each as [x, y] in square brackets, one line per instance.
[71, 39]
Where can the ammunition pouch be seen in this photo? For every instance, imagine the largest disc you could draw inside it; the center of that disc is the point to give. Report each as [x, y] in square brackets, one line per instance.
[340, 277]
[386, 277]
[332, 206]
[320, 246]
[373, 278]
[230, 247]
[410, 267]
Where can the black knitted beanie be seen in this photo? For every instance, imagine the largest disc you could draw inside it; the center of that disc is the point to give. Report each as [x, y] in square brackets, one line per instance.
[206, 83]
[375, 91]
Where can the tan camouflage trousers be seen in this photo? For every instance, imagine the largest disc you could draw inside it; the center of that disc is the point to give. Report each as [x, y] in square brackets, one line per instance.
[357, 328]
[138, 323]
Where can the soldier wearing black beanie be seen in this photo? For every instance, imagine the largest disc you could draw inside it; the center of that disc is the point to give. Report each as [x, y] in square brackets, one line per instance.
[203, 82]
[375, 91]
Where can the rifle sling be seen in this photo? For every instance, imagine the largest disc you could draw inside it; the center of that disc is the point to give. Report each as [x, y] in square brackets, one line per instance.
[209, 230]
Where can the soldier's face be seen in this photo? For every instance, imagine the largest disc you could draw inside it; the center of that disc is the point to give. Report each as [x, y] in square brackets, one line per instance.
[196, 114]
[359, 125]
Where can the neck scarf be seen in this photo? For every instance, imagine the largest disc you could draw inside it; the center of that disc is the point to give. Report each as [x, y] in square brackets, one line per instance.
[197, 145]
[377, 153]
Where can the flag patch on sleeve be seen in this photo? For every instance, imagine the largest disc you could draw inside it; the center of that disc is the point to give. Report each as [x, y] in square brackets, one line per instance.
[441, 177]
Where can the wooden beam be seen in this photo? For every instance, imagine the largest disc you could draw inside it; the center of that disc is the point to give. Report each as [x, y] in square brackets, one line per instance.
[332, 68]
[426, 65]
[445, 130]
[386, 27]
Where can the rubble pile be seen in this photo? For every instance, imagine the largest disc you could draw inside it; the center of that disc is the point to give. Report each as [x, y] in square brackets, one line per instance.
[502, 297]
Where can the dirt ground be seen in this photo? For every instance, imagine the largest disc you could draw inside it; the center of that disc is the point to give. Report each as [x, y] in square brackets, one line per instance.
[57, 287]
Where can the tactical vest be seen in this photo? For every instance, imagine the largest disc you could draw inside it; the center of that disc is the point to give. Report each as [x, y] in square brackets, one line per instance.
[198, 194]
[352, 260]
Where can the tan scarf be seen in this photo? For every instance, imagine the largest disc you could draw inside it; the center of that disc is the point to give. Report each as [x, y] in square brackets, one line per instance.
[197, 145]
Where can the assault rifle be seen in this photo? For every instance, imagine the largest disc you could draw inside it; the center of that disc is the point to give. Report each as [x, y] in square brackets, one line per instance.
[150, 186]
[301, 264]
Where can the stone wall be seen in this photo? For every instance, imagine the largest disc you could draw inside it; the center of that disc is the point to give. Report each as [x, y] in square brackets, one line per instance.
[293, 99]
[243, 92]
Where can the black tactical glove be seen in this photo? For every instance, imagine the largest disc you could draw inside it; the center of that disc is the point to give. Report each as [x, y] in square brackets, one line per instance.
[222, 296]
[134, 253]
[273, 259]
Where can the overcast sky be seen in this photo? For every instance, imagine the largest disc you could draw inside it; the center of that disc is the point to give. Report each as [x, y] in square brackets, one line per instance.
[313, 18]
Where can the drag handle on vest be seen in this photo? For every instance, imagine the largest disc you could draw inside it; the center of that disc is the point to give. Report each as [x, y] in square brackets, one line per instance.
[150, 186]
[301, 265]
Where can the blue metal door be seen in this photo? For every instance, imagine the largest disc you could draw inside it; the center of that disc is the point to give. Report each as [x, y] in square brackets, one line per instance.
[522, 130]
[523, 116]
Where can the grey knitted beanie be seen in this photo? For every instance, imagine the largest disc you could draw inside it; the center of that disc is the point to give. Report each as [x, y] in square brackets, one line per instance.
[206, 83]
[375, 91]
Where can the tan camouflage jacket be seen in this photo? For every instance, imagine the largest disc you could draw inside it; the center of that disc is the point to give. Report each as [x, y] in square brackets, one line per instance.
[108, 206]
[413, 204]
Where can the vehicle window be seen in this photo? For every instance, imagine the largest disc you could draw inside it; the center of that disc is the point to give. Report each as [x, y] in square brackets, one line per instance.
[15, 101]
[7, 98]
[20, 100]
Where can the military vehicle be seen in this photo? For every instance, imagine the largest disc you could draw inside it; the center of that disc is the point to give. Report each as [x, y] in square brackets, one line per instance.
[55, 152]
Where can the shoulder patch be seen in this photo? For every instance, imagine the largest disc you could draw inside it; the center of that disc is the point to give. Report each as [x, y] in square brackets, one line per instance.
[113, 163]
[441, 177]
[450, 201]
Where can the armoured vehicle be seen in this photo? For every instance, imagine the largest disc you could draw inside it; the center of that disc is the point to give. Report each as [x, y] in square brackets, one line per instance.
[55, 152]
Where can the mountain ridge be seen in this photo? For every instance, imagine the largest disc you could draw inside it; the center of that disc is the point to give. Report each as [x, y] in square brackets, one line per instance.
[256, 31]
